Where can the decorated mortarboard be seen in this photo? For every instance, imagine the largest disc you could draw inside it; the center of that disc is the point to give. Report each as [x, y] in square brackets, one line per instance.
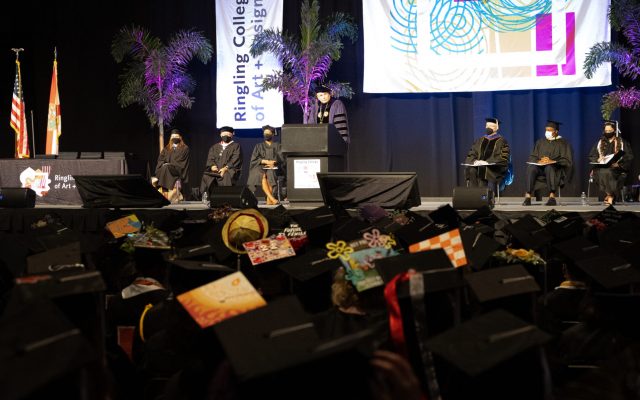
[553, 124]
[496, 283]
[269, 249]
[318, 224]
[38, 348]
[124, 226]
[221, 299]
[244, 226]
[610, 270]
[450, 242]
[484, 342]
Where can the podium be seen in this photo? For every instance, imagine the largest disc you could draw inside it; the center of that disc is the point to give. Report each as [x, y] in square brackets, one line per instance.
[310, 149]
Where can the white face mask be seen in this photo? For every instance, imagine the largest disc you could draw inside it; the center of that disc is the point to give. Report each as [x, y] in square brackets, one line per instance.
[548, 135]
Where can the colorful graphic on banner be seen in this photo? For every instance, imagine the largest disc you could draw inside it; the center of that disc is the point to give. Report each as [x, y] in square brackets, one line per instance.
[481, 45]
[241, 103]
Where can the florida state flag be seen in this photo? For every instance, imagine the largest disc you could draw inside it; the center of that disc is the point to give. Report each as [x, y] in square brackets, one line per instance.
[54, 118]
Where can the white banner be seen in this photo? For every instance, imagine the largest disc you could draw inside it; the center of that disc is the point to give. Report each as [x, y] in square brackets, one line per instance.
[481, 45]
[239, 97]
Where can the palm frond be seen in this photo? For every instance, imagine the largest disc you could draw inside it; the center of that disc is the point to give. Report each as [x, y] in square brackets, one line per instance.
[340, 26]
[133, 41]
[619, 56]
[185, 45]
[628, 98]
[340, 89]
[310, 23]
[282, 46]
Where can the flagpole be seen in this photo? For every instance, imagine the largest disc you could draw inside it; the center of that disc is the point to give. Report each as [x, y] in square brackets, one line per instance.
[33, 136]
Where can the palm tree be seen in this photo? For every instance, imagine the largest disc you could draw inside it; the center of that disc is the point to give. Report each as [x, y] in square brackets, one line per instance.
[625, 18]
[155, 76]
[306, 61]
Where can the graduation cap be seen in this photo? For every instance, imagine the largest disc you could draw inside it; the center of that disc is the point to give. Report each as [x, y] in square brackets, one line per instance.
[553, 124]
[309, 265]
[60, 284]
[277, 348]
[496, 283]
[566, 226]
[623, 238]
[279, 218]
[478, 247]
[323, 89]
[317, 223]
[492, 120]
[482, 215]
[610, 271]
[227, 129]
[349, 229]
[62, 257]
[529, 232]
[39, 346]
[484, 342]
[578, 248]
[445, 215]
[430, 260]
[419, 229]
[185, 275]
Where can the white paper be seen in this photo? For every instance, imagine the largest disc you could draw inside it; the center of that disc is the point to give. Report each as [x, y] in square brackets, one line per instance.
[305, 171]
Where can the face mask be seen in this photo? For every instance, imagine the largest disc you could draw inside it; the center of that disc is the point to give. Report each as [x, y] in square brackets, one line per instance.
[226, 139]
[175, 140]
[548, 135]
[609, 135]
[268, 136]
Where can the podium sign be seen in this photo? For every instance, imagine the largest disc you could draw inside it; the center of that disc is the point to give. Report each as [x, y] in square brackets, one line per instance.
[310, 149]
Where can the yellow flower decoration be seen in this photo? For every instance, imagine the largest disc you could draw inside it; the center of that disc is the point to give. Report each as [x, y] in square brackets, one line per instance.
[339, 249]
[388, 241]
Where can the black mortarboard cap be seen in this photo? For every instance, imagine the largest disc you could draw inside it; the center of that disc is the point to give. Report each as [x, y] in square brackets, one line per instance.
[309, 265]
[565, 226]
[195, 265]
[446, 215]
[349, 229]
[38, 346]
[578, 248]
[492, 120]
[66, 256]
[623, 238]
[226, 129]
[610, 271]
[553, 124]
[419, 229]
[478, 247]
[389, 267]
[529, 232]
[486, 341]
[496, 283]
[278, 217]
[323, 89]
[482, 215]
[60, 284]
[318, 224]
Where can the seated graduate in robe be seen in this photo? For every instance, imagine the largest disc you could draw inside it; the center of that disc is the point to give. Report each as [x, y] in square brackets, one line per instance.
[552, 157]
[224, 162]
[493, 149]
[329, 110]
[266, 165]
[172, 169]
[610, 179]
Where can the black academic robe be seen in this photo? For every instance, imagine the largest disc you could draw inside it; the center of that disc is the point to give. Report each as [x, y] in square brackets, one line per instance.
[610, 179]
[173, 164]
[334, 112]
[264, 151]
[229, 156]
[494, 149]
[558, 150]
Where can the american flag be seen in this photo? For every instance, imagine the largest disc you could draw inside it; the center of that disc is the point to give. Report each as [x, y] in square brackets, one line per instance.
[18, 117]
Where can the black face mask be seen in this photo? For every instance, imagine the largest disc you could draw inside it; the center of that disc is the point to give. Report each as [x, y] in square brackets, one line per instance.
[175, 140]
[268, 137]
[226, 139]
[609, 135]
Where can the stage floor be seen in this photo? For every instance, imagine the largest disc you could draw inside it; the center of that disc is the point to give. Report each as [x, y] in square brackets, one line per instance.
[507, 204]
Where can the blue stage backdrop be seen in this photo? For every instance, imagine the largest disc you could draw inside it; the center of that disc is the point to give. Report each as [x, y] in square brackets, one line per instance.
[426, 133]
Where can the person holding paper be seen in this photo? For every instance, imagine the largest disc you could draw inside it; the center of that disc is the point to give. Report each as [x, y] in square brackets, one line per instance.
[609, 176]
[224, 162]
[552, 157]
[488, 158]
[266, 165]
[172, 169]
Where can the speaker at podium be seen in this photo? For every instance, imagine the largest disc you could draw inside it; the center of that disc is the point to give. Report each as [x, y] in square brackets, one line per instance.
[311, 149]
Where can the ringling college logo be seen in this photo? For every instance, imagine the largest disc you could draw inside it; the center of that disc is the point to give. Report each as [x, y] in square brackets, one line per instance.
[38, 180]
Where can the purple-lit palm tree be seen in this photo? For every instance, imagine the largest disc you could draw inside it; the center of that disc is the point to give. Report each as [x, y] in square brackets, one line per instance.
[625, 18]
[306, 62]
[155, 76]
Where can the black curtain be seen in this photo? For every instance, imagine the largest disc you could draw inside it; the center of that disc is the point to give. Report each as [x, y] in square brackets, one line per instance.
[426, 133]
